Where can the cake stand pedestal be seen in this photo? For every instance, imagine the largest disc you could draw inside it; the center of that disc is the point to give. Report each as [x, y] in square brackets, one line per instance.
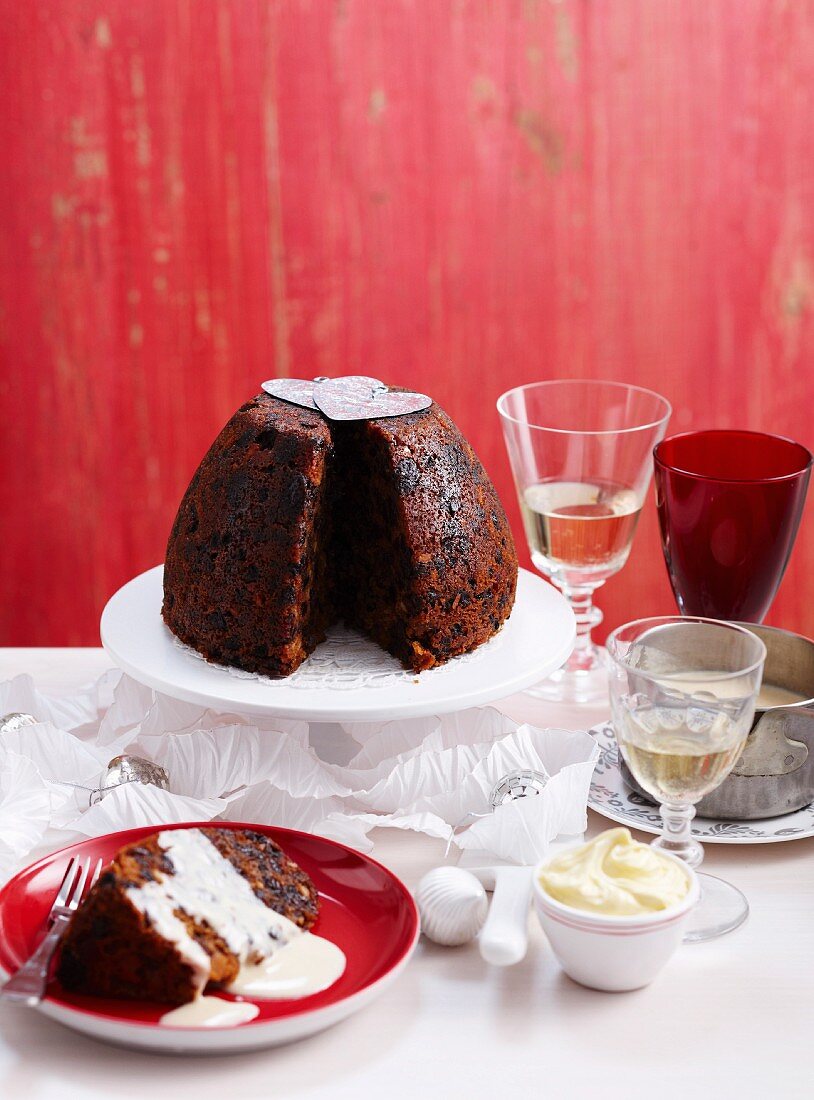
[348, 678]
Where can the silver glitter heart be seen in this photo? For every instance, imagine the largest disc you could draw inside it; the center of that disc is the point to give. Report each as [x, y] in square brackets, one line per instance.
[354, 397]
[357, 397]
[298, 391]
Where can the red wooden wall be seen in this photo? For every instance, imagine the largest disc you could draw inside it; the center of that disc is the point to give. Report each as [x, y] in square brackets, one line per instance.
[452, 194]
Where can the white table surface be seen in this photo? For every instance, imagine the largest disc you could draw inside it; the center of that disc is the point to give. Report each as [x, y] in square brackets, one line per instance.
[731, 1018]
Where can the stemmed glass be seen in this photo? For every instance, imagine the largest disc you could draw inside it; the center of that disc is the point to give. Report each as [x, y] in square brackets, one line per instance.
[729, 507]
[683, 693]
[580, 453]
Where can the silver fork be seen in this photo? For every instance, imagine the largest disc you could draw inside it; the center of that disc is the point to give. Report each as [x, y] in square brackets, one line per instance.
[28, 985]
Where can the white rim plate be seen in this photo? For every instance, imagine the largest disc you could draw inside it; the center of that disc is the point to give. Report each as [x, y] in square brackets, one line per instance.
[225, 1040]
[611, 797]
[536, 639]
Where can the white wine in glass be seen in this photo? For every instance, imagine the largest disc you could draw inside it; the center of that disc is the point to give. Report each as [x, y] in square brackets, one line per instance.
[579, 527]
[581, 455]
[680, 754]
[683, 695]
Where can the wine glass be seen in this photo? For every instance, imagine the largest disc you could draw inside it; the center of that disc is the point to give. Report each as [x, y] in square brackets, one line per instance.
[580, 453]
[683, 693]
[729, 506]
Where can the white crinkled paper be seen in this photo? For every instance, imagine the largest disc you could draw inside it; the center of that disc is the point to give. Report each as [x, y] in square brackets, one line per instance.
[134, 805]
[425, 774]
[24, 810]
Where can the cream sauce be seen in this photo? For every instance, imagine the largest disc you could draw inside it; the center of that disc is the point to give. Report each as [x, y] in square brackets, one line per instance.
[721, 685]
[304, 966]
[211, 890]
[771, 695]
[208, 887]
[210, 1012]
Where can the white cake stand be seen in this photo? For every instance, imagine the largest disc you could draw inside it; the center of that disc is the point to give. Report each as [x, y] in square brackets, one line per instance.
[347, 679]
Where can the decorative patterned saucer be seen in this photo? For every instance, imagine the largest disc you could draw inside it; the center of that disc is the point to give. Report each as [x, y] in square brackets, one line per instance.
[611, 797]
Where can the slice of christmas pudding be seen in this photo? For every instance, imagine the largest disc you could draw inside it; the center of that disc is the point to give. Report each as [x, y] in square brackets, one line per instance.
[181, 911]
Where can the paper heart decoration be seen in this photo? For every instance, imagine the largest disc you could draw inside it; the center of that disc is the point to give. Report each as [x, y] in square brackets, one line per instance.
[357, 397]
[354, 397]
[299, 391]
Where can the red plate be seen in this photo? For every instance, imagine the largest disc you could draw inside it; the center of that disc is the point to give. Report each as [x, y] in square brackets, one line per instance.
[364, 909]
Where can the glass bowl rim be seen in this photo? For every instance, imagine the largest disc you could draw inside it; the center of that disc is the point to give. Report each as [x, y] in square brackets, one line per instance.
[663, 620]
[584, 431]
[660, 463]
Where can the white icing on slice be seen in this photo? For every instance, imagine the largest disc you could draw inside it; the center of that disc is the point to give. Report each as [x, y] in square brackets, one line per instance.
[206, 886]
[210, 1012]
[304, 966]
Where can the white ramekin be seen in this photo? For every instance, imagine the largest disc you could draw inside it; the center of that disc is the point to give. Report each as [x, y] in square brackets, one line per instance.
[613, 953]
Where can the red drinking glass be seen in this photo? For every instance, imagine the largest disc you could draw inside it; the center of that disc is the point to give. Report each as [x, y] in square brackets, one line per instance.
[729, 507]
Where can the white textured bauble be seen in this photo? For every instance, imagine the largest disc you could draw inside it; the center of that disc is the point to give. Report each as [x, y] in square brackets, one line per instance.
[452, 904]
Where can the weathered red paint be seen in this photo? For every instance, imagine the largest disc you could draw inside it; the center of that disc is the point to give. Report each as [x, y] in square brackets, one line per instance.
[455, 195]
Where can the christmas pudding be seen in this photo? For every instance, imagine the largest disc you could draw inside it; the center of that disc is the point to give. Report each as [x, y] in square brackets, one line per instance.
[296, 520]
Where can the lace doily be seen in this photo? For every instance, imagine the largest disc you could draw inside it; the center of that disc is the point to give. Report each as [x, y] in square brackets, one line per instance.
[345, 661]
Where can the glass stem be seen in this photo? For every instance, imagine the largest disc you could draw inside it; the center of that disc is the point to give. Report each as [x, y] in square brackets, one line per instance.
[676, 834]
[581, 599]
